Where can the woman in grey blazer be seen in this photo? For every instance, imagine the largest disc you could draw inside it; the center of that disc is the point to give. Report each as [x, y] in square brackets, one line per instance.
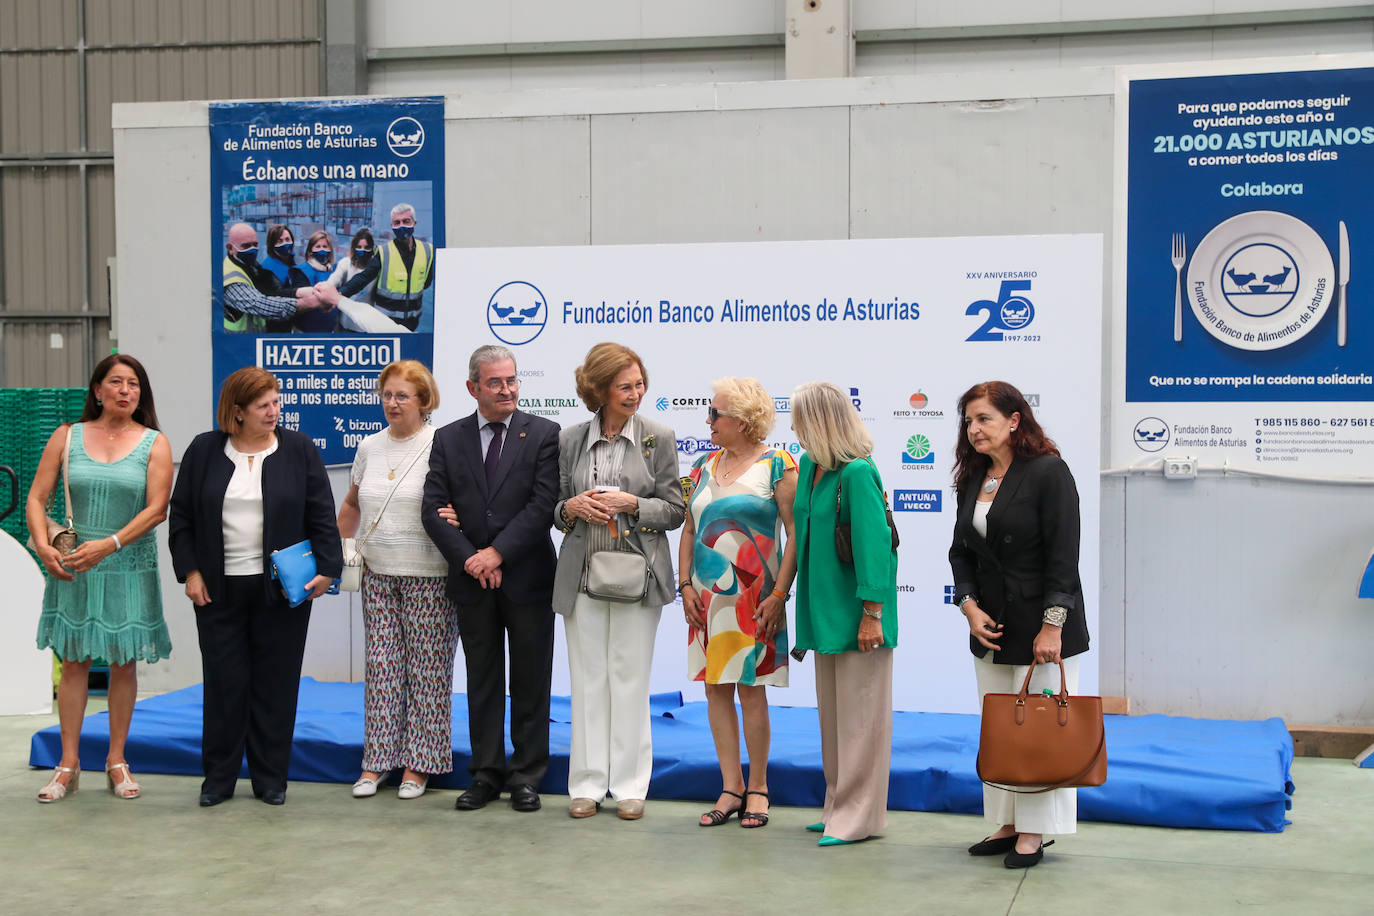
[618, 476]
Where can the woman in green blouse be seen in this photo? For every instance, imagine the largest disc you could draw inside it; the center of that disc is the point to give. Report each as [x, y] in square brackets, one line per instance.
[846, 612]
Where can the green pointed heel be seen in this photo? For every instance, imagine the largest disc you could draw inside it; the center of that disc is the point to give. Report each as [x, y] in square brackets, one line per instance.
[834, 841]
[818, 827]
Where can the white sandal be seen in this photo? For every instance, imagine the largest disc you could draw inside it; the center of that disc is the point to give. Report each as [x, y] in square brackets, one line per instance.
[56, 791]
[125, 788]
[366, 786]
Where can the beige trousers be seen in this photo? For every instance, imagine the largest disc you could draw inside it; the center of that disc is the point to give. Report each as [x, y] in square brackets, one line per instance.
[854, 698]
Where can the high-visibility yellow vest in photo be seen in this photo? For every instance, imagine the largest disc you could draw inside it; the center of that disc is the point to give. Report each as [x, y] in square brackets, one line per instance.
[394, 281]
[234, 273]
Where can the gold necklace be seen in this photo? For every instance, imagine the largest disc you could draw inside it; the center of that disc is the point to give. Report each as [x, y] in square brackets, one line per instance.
[116, 433]
[724, 474]
[391, 467]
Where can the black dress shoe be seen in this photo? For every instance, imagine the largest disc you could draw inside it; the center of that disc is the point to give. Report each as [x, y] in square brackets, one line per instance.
[1016, 859]
[273, 796]
[210, 799]
[524, 798]
[989, 847]
[477, 796]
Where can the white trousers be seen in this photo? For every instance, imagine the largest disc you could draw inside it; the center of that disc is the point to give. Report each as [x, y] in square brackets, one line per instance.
[610, 653]
[1054, 812]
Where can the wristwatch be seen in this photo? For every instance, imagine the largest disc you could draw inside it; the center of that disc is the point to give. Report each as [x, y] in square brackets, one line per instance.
[876, 615]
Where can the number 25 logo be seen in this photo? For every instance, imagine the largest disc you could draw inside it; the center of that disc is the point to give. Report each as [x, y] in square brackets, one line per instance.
[1009, 313]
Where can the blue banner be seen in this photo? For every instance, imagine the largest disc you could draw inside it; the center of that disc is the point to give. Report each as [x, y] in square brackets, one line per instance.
[1249, 201]
[325, 220]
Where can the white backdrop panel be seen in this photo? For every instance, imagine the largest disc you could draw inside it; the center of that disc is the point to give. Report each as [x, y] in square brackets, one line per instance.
[898, 322]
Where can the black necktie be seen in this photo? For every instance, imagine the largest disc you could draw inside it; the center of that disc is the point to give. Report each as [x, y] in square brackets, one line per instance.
[494, 452]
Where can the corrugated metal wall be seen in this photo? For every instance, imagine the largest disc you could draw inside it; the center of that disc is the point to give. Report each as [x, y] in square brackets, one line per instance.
[62, 64]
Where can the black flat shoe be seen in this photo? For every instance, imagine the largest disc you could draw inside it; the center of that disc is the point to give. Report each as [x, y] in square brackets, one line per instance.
[477, 796]
[1016, 859]
[524, 798]
[273, 797]
[989, 847]
[210, 799]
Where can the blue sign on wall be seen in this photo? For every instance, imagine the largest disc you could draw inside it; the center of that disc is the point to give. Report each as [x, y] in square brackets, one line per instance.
[323, 192]
[1250, 225]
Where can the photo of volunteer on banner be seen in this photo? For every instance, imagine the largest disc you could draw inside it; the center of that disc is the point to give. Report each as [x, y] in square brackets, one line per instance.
[284, 270]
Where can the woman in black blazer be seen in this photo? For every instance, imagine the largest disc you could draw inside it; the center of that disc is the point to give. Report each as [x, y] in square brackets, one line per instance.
[243, 491]
[1015, 564]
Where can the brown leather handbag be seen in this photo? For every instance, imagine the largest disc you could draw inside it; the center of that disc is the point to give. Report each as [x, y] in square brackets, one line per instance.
[1043, 740]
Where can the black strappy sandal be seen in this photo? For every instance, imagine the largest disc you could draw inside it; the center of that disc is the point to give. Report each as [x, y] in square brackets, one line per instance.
[751, 819]
[715, 817]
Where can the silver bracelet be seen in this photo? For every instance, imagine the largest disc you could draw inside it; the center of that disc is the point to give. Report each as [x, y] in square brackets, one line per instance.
[118, 546]
[960, 603]
[1056, 615]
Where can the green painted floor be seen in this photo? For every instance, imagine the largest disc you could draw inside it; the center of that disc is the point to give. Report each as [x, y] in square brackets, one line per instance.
[325, 852]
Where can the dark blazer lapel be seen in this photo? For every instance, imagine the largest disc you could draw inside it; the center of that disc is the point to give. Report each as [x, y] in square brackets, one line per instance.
[511, 445]
[470, 442]
[1011, 482]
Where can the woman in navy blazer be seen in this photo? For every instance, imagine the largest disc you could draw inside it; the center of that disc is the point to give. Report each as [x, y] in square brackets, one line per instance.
[1015, 564]
[243, 491]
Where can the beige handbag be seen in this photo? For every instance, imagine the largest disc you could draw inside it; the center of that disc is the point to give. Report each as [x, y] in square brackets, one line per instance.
[620, 574]
[61, 536]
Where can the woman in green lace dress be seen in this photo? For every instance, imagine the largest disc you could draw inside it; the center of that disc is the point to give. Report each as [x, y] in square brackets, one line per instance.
[104, 600]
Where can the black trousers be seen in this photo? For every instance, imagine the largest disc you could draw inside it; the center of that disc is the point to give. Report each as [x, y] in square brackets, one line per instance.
[251, 655]
[484, 628]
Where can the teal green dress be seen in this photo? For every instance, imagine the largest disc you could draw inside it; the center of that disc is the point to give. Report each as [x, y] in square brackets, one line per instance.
[114, 611]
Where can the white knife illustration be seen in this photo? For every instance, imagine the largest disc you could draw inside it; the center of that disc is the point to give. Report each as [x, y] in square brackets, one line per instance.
[1344, 278]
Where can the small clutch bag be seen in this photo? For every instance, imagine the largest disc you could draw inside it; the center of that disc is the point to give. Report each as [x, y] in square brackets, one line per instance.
[294, 567]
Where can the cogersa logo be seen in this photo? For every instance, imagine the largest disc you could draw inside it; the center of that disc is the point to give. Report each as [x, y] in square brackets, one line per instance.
[918, 452]
[916, 500]
[517, 312]
[1009, 312]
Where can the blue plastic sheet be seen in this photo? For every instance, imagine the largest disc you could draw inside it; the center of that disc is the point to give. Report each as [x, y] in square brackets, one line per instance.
[1162, 770]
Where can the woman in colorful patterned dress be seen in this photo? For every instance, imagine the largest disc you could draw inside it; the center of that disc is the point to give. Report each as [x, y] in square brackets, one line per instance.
[410, 626]
[736, 573]
[104, 600]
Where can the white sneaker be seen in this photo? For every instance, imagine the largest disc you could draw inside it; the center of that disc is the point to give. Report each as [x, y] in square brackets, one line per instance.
[365, 787]
[411, 789]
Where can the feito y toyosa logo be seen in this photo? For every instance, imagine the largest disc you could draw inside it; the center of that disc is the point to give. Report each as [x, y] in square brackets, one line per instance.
[919, 406]
[916, 500]
[517, 312]
[918, 452]
[405, 136]
[1151, 434]
[1010, 311]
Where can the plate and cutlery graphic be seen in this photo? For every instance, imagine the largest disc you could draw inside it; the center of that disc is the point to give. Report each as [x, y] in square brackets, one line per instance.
[1260, 280]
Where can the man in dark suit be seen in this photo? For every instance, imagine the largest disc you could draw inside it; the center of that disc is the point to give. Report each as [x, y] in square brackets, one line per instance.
[498, 469]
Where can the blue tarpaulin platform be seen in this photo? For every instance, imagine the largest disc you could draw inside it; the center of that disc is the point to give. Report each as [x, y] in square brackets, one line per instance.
[1162, 770]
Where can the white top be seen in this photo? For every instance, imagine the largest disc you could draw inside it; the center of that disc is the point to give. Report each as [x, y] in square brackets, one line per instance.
[399, 546]
[242, 516]
[980, 516]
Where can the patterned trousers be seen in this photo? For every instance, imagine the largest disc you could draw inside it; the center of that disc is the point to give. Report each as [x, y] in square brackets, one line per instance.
[411, 633]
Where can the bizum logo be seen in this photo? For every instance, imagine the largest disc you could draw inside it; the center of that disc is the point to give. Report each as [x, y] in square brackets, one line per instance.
[661, 403]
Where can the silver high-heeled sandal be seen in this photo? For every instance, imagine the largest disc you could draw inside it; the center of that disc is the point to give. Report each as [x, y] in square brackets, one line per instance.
[125, 788]
[56, 791]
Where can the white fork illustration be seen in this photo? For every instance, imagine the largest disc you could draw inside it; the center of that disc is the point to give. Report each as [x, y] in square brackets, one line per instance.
[1178, 255]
